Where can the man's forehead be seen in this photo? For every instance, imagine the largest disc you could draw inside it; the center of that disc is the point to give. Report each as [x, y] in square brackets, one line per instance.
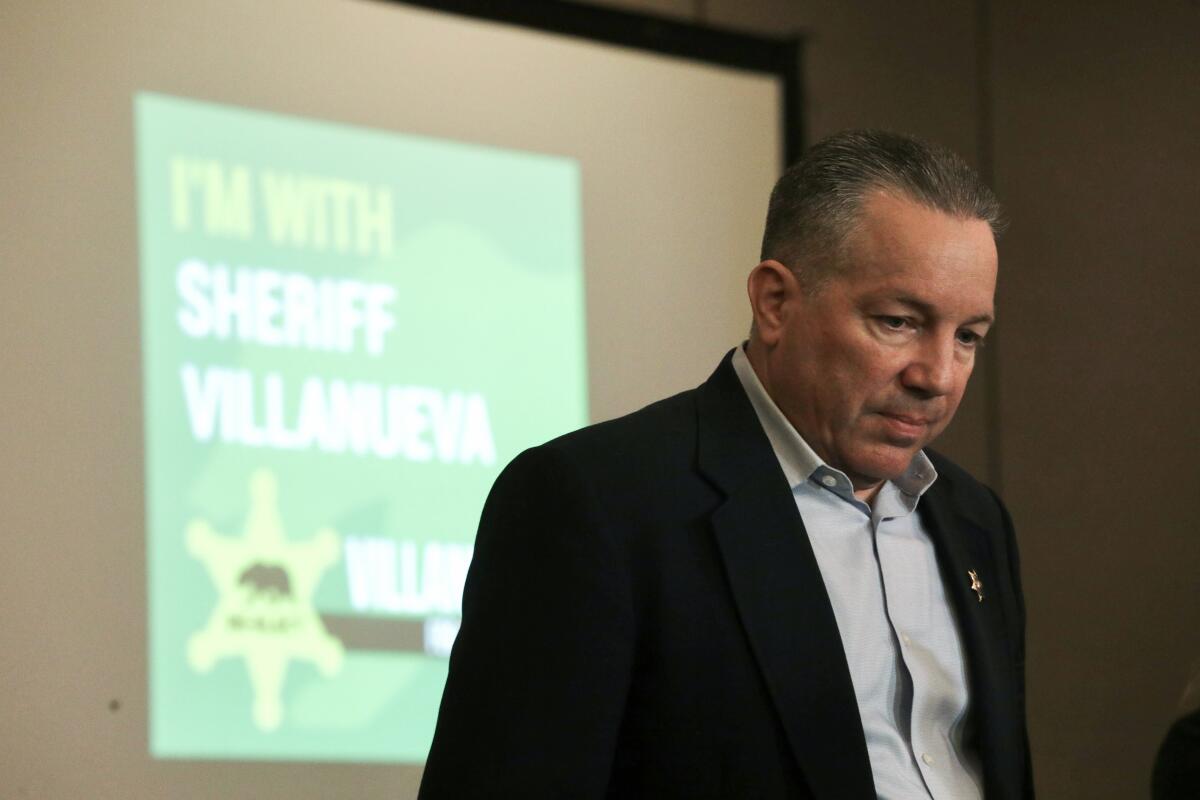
[890, 219]
[907, 254]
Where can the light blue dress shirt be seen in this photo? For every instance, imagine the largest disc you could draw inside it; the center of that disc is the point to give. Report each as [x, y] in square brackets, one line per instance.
[898, 631]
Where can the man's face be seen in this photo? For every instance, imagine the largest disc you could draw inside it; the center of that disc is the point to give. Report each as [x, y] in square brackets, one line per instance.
[871, 366]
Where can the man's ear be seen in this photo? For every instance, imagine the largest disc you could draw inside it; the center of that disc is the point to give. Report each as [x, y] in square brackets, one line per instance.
[770, 286]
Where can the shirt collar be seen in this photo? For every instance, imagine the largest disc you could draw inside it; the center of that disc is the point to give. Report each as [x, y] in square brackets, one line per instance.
[797, 458]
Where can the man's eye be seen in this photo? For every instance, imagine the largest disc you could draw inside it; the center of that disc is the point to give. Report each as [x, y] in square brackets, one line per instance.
[894, 323]
[970, 339]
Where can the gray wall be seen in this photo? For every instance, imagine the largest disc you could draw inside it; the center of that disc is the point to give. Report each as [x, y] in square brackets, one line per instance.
[1097, 153]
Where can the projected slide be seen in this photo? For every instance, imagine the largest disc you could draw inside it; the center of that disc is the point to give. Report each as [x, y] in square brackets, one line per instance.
[347, 333]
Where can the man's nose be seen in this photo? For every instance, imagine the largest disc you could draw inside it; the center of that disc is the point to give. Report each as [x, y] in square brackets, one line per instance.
[935, 367]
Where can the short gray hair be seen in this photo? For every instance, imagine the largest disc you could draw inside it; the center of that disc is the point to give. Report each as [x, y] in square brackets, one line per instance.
[817, 201]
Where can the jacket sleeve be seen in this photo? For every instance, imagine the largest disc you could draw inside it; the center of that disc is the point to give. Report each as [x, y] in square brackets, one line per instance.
[541, 667]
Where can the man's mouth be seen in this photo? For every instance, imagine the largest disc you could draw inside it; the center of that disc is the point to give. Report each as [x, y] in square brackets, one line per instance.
[906, 426]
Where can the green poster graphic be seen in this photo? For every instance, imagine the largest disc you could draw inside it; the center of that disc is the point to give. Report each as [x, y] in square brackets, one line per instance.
[347, 333]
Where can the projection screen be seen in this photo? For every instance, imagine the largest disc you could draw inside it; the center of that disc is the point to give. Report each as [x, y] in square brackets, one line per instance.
[286, 285]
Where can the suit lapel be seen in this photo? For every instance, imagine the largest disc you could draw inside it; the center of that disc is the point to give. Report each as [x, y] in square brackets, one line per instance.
[780, 595]
[963, 546]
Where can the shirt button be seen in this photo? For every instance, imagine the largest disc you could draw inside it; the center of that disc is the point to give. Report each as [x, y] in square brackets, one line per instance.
[829, 481]
[904, 638]
[928, 759]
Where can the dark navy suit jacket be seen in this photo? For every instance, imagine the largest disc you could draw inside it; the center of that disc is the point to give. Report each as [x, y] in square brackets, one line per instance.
[644, 617]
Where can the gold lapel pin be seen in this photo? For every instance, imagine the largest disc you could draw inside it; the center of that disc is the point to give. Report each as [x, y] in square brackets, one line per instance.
[976, 584]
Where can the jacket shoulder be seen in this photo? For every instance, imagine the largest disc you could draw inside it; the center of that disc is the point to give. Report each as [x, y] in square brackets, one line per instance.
[660, 429]
[634, 461]
[967, 492]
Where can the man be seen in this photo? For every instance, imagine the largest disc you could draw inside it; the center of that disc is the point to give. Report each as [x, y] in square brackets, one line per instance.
[766, 587]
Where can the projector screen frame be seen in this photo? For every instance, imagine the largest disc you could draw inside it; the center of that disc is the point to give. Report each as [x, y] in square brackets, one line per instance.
[79, 580]
[781, 57]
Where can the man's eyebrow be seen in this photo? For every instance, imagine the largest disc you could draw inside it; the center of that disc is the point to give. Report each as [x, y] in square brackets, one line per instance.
[928, 310]
[985, 318]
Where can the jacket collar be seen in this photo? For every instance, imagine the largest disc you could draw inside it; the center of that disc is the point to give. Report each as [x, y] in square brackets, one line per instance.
[779, 594]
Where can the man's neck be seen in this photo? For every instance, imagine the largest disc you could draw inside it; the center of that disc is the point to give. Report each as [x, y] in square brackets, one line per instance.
[869, 494]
